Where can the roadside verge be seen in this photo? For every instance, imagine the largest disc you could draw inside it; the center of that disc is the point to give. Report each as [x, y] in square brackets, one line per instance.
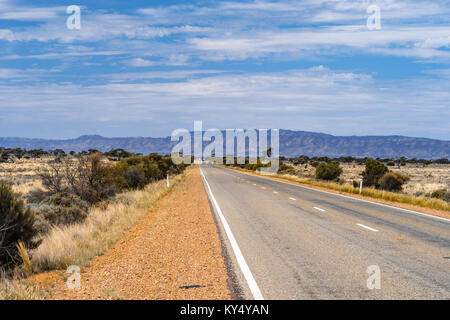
[172, 252]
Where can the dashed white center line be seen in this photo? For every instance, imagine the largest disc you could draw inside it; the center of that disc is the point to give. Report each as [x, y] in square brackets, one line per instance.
[320, 209]
[276, 192]
[264, 188]
[366, 227]
[293, 199]
[254, 184]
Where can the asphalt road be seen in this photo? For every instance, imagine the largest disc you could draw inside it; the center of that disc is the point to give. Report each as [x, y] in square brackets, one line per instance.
[298, 243]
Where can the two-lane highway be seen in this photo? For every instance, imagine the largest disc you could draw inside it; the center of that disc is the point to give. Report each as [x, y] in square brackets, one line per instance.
[292, 242]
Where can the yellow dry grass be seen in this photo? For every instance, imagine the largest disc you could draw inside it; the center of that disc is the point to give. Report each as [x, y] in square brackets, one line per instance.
[26, 262]
[22, 174]
[20, 289]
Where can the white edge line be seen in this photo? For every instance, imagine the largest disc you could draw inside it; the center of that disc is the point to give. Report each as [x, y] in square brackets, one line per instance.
[366, 227]
[320, 209]
[341, 195]
[257, 295]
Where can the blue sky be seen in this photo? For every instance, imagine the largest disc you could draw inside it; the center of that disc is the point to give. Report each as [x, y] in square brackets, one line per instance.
[145, 68]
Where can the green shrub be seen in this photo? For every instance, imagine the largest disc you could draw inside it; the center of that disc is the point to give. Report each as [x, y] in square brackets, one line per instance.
[393, 181]
[16, 224]
[328, 171]
[59, 210]
[373, 172]
[442, 194]
[286, 169]
[135, 178]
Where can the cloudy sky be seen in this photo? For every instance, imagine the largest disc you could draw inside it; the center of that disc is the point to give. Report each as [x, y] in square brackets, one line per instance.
[145, 68]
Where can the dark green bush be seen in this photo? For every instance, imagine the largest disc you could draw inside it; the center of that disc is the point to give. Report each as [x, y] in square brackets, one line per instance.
[328, 171]
[16, 224]
[286, 169]
[373, 172]
[442, 194]
[393, 181]
[135, 178]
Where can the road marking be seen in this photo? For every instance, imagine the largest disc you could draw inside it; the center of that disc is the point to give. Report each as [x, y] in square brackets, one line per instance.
[320, 209]
[341, 195]
[254, 184]
[366, 227]
[293, 199]
[276, 192]
[257, 295]
[264, 188]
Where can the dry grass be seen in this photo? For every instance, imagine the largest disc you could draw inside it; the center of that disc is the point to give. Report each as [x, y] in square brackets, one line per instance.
[16, 288]
[26, 262]
[78, 244]
[22, 173]
[368, 192]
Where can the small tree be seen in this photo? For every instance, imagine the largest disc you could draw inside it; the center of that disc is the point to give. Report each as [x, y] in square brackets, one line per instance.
[16, 224]
[328, 171]
[373, 172]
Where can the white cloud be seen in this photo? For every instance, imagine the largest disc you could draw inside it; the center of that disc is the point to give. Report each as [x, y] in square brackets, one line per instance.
[139, 62]
[33, 14]
[319, 41]
[311, 99]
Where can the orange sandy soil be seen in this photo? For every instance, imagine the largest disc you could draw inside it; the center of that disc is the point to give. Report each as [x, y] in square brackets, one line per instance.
[439, 213]
[175, 245]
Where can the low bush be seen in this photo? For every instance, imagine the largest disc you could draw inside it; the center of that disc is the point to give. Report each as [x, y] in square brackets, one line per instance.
[286, 169]
[328, 171]
[442, 194]
[393, 181]
[35, 196]
[59, 210]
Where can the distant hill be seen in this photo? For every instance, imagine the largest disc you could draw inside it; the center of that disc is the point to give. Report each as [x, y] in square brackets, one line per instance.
[292, 143]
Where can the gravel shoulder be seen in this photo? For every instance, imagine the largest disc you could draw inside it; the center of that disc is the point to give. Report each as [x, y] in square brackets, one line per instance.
[173, 252]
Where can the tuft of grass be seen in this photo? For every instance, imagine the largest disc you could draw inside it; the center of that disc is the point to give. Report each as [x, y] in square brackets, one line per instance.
[78, 244]
[422, 201]
[26, 262]
[15, 288]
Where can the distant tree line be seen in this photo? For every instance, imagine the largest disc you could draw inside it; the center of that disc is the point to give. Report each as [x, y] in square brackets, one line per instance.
[18, 153]
[402, 161]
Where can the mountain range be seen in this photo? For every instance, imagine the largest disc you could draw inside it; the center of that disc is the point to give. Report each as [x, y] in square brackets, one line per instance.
[292, 144]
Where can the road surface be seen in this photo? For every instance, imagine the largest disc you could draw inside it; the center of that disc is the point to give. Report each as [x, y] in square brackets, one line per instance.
[290, 242]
